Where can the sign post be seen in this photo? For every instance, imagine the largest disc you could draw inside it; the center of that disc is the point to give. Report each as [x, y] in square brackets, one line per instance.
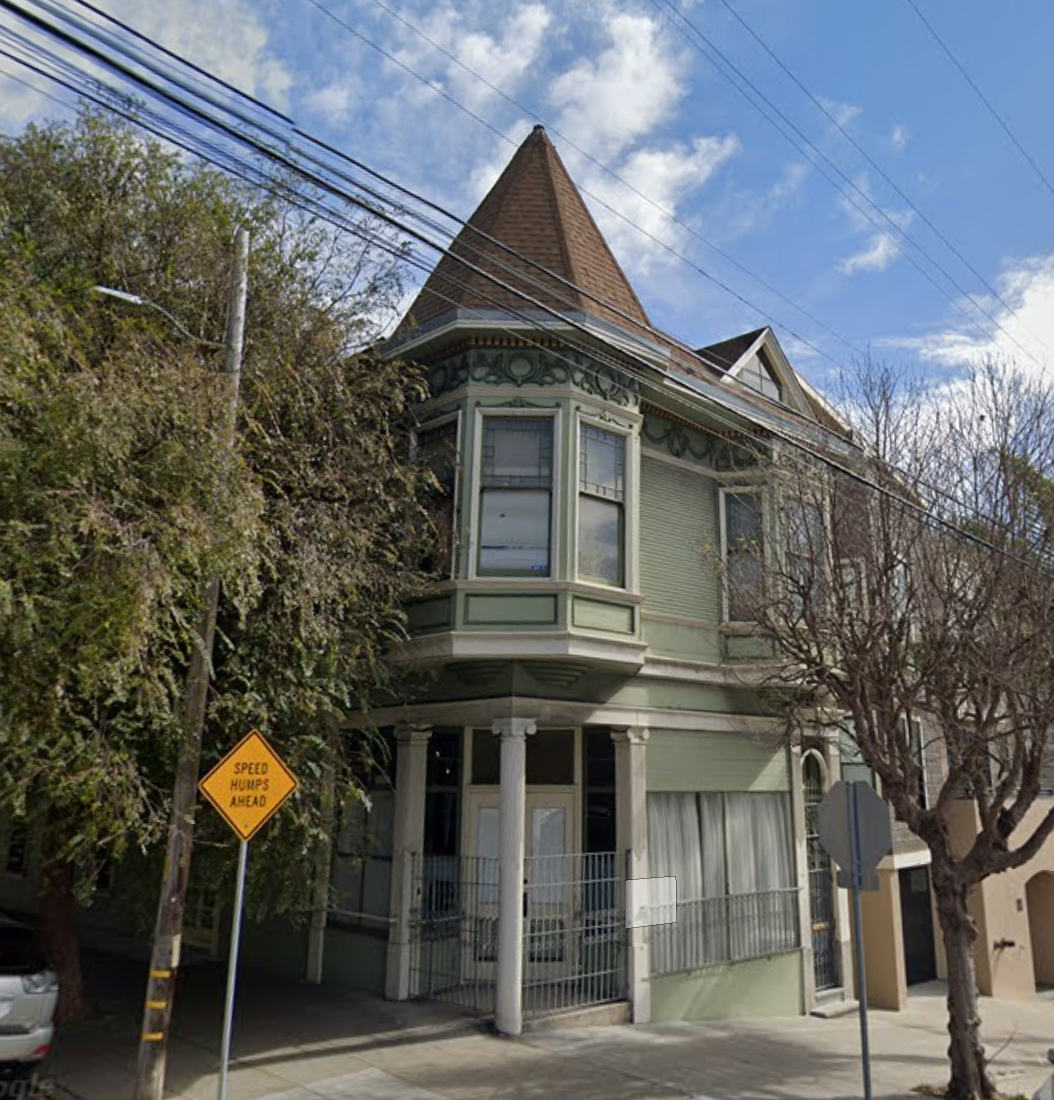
[247, 787]
[854, 831]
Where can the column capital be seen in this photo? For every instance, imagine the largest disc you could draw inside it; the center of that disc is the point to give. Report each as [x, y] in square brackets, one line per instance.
[514, 729]
[413, 733]
[629, 735]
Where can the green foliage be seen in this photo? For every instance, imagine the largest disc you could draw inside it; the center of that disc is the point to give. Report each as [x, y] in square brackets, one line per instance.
[119, 498]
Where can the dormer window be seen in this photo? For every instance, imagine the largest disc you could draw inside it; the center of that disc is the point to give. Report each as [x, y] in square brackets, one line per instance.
[759, 374]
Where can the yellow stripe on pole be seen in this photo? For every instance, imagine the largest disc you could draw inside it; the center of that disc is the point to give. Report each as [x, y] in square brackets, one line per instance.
[153, 1036]
[160, 973]
[157, 1004]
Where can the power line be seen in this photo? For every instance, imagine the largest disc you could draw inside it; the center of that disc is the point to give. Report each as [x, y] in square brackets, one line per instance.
[607, 169]
[720, 400]
[820, 105]
[802, 142]
[980, 95]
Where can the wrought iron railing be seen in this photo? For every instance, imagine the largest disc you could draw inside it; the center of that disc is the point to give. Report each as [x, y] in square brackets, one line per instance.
[574, 931]
[727, 929]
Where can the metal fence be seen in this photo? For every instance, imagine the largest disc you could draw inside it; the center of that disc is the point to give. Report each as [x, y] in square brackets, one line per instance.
[574, 931]
[727, 929]
[454, 930]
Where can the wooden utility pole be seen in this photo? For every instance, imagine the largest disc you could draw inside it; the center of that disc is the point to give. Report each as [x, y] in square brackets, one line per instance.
[168, 931]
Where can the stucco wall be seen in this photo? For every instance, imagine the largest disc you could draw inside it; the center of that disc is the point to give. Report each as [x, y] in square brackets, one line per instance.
[1001, 907]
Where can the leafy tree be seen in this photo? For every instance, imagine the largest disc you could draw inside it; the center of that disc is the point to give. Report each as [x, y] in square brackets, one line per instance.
[910, 598]
[119, 498]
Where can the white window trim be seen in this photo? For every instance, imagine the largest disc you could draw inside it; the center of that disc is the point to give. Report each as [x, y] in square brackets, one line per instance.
[431, 425]
[629, 542]
[556, 572]
[766, 547]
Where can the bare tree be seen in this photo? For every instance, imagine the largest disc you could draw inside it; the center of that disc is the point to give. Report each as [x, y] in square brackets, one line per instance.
[909, 592]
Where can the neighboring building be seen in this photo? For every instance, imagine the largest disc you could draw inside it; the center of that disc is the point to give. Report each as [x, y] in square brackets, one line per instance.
[593, 710]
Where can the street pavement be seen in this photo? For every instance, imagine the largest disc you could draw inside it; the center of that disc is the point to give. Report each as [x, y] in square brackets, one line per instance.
[298, 1042]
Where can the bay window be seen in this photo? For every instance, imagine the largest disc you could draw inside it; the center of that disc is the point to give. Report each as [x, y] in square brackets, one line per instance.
[601, 506]
[732, 857]
[516, 497]
[743, 542]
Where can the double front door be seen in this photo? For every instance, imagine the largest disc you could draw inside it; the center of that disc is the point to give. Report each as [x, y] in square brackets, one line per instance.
[547, 892]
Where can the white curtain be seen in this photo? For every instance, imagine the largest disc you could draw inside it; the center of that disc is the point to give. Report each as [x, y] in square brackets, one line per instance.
[712, 819]
[759, 842]
[674, 846]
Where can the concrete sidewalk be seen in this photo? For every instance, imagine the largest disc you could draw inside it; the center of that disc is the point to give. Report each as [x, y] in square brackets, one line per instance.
[296, 1042]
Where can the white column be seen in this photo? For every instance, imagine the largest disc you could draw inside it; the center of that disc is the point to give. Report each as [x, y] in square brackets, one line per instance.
[508, 1015]
[411, 769]
[631, 836]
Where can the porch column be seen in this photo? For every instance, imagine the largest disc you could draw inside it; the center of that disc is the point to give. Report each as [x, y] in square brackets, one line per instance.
[631, 836]
[508, 1015]
[801, 864]
[411, 766]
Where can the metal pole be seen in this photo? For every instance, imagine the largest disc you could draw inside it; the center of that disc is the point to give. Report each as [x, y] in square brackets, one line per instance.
[856, 879]
[232, 969]
[168, 929]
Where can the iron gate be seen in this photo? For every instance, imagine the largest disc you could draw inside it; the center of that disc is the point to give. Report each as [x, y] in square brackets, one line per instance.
[821, 889]
[574, 931]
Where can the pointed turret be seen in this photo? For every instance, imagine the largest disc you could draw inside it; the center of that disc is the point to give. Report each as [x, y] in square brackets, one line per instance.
[537, 213]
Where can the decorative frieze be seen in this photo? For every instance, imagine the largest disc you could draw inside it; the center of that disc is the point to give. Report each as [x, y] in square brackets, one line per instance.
[534, 367]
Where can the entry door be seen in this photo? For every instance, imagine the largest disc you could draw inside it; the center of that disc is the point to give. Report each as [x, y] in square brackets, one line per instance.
[920, 956]
[547, 887]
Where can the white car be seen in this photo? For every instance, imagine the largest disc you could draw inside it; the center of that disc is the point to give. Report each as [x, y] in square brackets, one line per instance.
[29, 991]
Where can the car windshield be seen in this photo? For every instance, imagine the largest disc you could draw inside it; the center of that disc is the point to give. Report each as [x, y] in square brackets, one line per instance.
[19, 953]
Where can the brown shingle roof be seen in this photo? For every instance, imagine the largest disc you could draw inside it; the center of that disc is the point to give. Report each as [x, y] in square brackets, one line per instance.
[535, 210]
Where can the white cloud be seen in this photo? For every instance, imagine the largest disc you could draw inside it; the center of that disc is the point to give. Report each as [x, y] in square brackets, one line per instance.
[625, 93]
[501, 55]
[665, 176]
[844, 114]
[1027, 286]
[898, 138]
[880, 252]
[335, 102]
[225, 37]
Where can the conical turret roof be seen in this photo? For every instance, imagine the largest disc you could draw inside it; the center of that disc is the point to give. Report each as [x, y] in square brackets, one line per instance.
[537, 213]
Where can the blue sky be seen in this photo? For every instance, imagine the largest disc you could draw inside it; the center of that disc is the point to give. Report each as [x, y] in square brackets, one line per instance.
[624, 83]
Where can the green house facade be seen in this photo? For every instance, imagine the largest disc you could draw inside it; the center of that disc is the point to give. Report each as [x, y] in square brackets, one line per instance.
[590, 721]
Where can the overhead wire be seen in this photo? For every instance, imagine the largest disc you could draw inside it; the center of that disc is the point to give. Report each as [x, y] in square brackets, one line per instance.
[721, 401]
[809, 149]
[965, 74]
[605, 168]
[844, 131]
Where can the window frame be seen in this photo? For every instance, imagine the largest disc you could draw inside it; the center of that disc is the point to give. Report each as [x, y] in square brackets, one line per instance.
[741, 488]
[582, 421]
[455, 493]
[482, 413]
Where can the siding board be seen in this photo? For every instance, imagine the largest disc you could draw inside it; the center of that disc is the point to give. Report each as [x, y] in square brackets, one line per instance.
[680, 760]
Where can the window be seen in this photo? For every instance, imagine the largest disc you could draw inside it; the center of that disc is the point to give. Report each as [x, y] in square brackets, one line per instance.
[760, 376]
[515, 504]
[732, 857]
[436, 449]
[919, 755]
[744, 548]
[550, 758]
[803, 545]
[853, 768]
[601, 503]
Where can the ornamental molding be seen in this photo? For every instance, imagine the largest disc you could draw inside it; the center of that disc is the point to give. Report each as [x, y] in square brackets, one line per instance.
[534, 367]
[709, 450]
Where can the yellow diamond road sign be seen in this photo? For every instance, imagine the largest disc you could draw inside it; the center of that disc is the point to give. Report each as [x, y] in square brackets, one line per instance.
[249, 785]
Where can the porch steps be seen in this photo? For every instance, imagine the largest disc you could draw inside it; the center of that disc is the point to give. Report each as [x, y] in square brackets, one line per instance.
[833, 1005]
[617, 1012]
